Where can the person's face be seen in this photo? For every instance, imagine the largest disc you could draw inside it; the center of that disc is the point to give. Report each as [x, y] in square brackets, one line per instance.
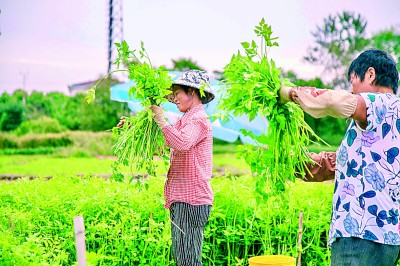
[366, 85]
[357, 85]
[182, 100]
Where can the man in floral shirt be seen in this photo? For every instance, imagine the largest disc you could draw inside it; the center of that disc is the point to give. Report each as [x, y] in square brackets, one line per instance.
[365, 208]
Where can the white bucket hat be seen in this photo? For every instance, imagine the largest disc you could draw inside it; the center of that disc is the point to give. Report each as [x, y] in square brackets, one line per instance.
[195, 79]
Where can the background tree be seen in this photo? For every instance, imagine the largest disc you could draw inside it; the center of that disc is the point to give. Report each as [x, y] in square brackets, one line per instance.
[72, 113]
[337, 42]
[12, 111]
[389, 41]
[37, 105]
[184, 64]
[65, 109]
[95, 118]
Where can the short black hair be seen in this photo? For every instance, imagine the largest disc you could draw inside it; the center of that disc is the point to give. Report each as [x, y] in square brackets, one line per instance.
[188, 89]
[385, 68]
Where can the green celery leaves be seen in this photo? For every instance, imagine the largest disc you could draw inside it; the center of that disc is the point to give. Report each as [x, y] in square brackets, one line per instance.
[253, 84]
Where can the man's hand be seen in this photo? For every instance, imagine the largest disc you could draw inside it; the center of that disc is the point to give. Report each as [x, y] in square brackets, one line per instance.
[323, 168]
[121, 121]
[158, 116]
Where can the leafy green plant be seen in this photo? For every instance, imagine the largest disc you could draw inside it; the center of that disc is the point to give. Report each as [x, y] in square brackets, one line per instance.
[127, 225]
[40, 125]
[11, 114]
[337, 43]
[7, 141]
[254, 82]
[26, 151]
[44, 140]
[140, 139]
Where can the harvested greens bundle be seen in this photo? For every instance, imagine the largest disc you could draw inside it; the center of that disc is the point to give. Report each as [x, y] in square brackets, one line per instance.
[253, 83]
[140, 139]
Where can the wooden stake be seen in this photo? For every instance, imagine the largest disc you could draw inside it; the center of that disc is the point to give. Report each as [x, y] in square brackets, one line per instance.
[79, 230]
[299, 238]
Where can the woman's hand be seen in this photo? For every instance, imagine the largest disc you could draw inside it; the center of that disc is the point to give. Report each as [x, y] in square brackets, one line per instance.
[158, 116]
[121, 121]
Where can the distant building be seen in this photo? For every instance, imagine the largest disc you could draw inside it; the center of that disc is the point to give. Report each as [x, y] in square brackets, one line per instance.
[80, 87]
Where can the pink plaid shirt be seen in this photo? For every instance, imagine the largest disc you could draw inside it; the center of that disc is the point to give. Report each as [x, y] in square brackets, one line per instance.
[190, 171]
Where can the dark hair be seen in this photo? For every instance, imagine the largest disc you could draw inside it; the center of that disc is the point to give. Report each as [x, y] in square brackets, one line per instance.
[384, 65]
[188, 89]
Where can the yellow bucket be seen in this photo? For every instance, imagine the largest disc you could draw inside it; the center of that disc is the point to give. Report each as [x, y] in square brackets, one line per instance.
[272, 260]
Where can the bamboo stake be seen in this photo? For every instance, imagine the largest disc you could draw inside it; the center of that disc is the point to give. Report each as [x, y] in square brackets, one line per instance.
[299, 238]
[79, 230]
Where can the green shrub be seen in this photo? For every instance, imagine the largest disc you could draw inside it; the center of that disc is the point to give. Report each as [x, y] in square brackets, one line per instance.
[41, 125]
[44, 140]
[29, 151]
[87, 144]
[73, 143]
[33, 143]
[11, 115]
[7, 141]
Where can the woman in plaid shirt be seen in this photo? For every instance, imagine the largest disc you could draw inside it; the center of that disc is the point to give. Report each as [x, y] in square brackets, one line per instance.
[188, 194]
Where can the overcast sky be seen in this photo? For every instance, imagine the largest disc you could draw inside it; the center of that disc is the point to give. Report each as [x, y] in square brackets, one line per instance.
[52, 44]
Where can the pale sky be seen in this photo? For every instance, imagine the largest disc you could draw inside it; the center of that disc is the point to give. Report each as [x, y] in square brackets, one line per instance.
[57, 43]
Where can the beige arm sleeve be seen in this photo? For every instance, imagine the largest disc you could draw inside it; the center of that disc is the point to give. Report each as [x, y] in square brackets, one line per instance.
[321, 102]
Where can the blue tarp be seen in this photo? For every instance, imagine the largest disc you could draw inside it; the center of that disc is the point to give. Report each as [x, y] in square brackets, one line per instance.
[227, 130]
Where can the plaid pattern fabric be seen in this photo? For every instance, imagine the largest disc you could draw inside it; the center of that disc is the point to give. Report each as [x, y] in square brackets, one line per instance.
[190, 171]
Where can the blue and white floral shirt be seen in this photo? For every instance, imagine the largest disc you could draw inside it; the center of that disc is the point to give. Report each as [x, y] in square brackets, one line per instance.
[367, 176]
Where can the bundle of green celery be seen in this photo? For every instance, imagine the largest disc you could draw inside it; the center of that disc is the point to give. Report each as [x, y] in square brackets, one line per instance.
[253, 84]
[139, 140]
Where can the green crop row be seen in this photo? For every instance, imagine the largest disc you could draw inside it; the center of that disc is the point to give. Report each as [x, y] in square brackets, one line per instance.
[9, 141]
[126, 224]
[65, 144]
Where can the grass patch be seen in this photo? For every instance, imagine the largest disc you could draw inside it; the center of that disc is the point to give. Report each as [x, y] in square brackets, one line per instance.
[42, 165]
[47, 165]
[126, 224]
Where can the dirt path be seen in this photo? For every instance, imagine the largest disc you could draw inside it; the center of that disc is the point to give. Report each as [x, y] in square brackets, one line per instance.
[12, 177]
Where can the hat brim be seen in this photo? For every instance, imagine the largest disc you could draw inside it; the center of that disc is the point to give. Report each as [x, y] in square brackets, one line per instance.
[206, 98]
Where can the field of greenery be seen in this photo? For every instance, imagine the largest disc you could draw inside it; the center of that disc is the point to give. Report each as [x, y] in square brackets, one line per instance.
[125, 222]
[55, 164]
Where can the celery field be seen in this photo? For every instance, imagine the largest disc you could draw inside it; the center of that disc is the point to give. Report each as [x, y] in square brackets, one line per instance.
[126, 224]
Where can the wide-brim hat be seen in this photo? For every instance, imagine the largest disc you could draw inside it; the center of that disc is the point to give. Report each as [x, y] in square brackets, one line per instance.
[198, 80]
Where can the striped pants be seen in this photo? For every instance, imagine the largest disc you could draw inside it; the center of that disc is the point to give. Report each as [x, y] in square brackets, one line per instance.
[187, 228]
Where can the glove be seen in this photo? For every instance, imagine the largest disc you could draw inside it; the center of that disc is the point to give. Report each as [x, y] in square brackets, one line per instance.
[158, 116]
[285, 94]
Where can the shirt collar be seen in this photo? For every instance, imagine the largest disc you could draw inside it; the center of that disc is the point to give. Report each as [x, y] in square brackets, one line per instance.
[193, 111]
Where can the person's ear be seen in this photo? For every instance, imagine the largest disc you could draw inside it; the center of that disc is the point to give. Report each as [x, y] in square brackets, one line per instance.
[370, 75]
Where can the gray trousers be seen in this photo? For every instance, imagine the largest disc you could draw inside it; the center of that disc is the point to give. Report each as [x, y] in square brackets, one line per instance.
[354, 251]
[187, 228]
